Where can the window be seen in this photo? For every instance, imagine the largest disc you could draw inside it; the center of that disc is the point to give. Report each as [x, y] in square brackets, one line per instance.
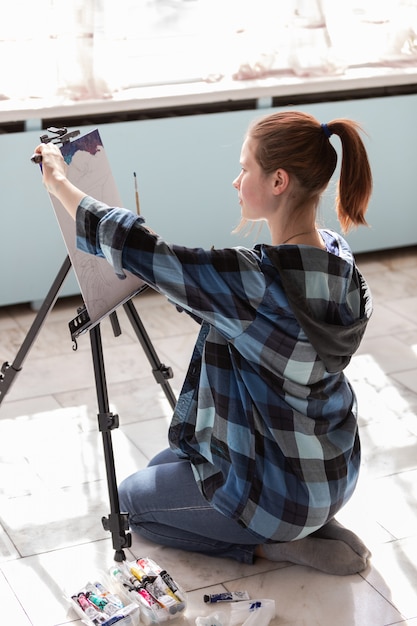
[92, 49]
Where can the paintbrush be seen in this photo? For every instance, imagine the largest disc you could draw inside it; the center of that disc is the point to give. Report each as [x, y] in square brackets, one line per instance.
[136, 194]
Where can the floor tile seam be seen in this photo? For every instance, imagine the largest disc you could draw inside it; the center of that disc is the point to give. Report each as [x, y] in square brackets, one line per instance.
[378, 476]
[53, 395]
[409, 368]
[14, 592]
[390, 539]
[395, 538]
[148, 420]
[205, 588]
[384, 334]
[397, 372]
[410, 431]
[19, 554]
[62, 548]
[405, 388]
[272, 568]
[390, 602]
[398, 474]
[404, 335]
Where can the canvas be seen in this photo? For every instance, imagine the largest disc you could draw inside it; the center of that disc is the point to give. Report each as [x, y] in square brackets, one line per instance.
[89, 169]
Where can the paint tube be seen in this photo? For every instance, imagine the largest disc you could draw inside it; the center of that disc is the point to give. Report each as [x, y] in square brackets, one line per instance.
[228, 596]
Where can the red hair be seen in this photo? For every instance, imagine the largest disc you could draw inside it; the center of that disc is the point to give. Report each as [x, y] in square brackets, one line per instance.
[298, 143]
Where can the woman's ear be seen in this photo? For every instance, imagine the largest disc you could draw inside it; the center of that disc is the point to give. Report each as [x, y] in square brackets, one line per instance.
[281, 181]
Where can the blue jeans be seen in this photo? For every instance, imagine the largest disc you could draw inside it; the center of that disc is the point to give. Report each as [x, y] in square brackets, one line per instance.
[166, 507]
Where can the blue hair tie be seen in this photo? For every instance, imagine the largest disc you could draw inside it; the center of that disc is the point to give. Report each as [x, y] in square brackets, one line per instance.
[327, 131]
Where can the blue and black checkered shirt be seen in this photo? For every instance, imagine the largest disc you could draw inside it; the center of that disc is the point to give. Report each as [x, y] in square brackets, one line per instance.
[266, 414]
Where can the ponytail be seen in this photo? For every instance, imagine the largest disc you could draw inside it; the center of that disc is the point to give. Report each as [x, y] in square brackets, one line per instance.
[355, 182]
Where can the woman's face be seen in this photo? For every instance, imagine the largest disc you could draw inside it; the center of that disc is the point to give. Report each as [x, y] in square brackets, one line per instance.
[253, 185]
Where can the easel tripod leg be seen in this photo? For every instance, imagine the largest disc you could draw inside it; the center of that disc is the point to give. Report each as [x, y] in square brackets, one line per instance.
[9, 371]
[161, 372]
[117, 523]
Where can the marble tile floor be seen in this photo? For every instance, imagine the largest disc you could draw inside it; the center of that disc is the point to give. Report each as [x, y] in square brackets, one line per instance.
[53, 488]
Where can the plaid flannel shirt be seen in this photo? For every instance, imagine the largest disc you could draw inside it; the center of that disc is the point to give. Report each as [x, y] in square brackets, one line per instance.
[266, 415]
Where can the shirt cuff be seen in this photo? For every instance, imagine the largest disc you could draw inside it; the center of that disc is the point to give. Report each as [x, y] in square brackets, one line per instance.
[102, 231]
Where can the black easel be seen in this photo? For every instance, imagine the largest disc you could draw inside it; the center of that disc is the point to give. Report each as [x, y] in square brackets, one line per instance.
[10, 370]
[116, 523]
